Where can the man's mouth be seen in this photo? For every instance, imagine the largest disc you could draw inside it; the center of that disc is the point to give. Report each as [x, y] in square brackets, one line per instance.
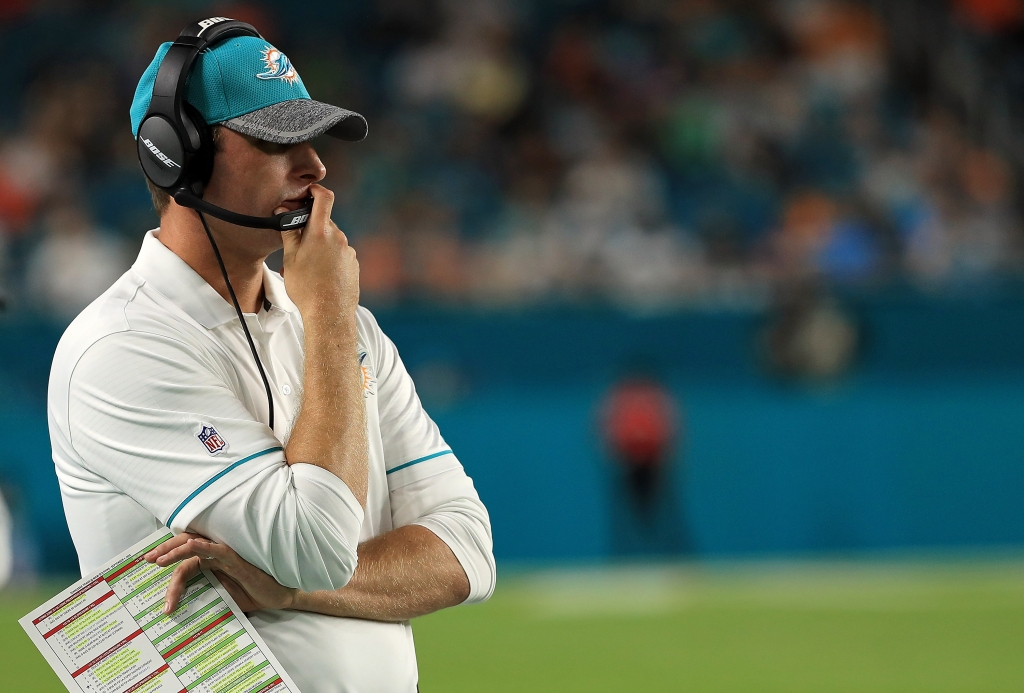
[294, 203]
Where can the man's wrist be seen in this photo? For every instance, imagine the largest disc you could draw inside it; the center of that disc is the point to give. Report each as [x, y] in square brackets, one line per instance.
[293, 595]
[300, 601]
[328, 319]
[335, 602]
[330, 331]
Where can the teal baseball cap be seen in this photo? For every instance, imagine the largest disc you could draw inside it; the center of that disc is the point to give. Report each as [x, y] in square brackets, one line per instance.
[249, 86]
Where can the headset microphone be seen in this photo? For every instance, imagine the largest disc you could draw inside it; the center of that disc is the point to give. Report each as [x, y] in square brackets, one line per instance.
[286, 221]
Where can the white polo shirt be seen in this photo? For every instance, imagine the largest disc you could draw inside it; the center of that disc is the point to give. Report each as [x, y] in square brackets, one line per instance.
[158, 416]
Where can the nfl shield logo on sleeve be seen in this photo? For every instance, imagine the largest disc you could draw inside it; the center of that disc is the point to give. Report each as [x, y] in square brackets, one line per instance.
[213, 441]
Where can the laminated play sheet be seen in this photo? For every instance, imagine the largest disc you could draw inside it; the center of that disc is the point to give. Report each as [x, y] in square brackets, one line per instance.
[108, 634]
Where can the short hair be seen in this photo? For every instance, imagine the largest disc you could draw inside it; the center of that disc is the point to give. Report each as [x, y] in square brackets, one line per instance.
[161, 200]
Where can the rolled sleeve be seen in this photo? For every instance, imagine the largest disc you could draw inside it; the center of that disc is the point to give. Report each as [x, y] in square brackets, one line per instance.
[300, 524]
[448, 505]
[438, 495]
[426, 482]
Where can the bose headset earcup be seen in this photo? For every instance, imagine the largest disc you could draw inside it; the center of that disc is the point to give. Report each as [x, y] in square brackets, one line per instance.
[161, 152]
[166, 161]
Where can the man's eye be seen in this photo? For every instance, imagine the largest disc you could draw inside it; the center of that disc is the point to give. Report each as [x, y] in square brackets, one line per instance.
[273, 147]
[266, 147]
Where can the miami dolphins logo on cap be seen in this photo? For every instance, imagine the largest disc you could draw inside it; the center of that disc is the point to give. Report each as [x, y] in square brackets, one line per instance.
[278, 66]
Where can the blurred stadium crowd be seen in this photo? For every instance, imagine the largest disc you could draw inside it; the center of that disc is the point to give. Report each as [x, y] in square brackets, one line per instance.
[644, 152]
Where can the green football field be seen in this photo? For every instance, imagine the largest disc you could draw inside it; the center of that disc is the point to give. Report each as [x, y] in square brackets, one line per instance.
[792, 627]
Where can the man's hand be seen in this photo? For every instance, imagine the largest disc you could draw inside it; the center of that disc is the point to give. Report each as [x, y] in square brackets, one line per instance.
[250, 587]
[321, 272]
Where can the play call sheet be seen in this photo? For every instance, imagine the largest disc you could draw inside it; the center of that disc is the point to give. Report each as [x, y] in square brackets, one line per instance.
[108, 634]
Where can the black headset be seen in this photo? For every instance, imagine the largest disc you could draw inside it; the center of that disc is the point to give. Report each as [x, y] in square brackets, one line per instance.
[174, 142]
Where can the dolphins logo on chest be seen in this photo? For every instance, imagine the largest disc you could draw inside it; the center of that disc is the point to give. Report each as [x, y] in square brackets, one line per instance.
[369, 379]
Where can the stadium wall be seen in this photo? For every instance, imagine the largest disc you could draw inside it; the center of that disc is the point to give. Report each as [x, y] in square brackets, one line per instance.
[920, 445]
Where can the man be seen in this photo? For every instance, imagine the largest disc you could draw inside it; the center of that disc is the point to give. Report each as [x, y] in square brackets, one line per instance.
[351, 515]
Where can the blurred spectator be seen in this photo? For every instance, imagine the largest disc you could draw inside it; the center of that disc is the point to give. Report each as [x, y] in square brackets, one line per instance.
[74, 263]
[639, 427]
[470, 67]
[991, 16]
[844, 44]
[809, 336]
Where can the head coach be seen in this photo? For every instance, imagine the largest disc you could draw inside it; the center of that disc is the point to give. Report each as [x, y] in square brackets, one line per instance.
[268, 422]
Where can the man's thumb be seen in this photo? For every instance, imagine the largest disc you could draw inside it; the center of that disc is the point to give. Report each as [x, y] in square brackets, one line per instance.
[290, 239]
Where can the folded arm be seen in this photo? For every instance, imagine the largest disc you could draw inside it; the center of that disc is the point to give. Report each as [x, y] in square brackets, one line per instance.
[405, 573]
[440, 556]
[402, 574]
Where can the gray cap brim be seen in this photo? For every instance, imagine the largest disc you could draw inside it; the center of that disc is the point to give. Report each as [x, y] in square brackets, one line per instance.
[299, 120]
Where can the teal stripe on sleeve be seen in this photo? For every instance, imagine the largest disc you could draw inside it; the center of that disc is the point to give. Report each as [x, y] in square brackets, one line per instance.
[199, 490]
[422, 459]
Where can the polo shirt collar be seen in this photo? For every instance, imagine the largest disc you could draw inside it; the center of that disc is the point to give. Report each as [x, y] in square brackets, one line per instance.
[175, 280]
[273, 289]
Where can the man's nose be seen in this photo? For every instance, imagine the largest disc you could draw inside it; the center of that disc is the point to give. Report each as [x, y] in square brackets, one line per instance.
[306, 164]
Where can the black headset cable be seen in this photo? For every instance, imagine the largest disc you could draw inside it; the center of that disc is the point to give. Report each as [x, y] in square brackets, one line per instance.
[241, 318]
